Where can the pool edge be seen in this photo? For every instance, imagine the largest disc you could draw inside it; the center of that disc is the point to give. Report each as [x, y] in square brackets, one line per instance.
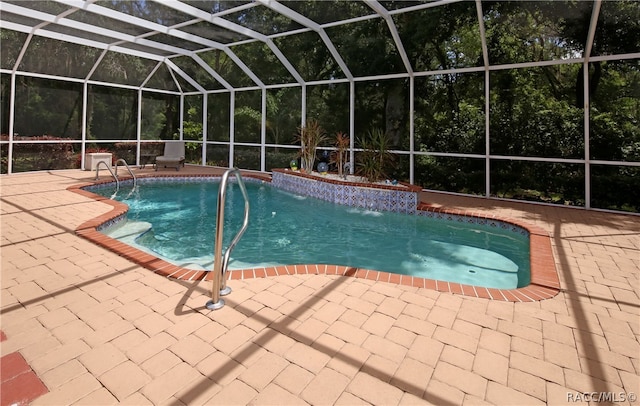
[544, 283]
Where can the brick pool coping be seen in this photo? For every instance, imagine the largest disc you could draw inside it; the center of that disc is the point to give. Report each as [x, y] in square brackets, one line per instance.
[544, 283]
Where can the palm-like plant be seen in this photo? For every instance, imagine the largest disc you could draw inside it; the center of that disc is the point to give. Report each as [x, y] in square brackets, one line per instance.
[339, 158]
[375, 157]
[310, 137]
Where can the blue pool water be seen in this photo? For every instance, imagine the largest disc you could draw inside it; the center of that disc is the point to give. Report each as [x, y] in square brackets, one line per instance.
[176, 221]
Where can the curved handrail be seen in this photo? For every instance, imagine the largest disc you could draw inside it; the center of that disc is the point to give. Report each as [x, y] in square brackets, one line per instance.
[220, 263]
[129, 169]
[111, 172]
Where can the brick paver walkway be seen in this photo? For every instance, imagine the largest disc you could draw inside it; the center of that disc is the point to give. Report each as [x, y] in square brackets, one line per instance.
[98, 329]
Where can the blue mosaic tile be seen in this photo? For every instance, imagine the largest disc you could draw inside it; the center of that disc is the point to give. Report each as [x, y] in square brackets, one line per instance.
[112, 223]
[349, 195]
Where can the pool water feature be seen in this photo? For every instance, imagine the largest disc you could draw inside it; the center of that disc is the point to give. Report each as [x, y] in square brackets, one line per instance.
[176, 221]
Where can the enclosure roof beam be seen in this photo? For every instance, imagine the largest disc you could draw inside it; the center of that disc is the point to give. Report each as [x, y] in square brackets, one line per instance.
[157, 28]
[75, 40]
[186, 77]
[173, 76]
[141, 22]
[150, 75]
[244, 67]
[283, 59]
[592, 29]
[377, 7]
[96, 64]
[483, 33]
[299, 18]
[423, 6]
[235, 9]
[231, 26]
[49, 18]
[212, 72]
[213, 19]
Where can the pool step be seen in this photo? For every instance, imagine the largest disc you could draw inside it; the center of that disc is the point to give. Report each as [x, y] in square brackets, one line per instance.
[129, 231]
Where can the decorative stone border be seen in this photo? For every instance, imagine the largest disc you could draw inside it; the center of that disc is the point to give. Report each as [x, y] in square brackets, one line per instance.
[544, 278]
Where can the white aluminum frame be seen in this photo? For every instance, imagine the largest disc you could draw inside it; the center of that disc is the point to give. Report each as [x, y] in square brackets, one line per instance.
[164, 53]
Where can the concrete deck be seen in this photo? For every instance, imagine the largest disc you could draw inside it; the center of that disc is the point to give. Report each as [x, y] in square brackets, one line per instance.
[96, 328]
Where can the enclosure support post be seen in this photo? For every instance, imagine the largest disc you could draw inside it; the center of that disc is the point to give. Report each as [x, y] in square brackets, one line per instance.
[139, 128]
[303, 111]
[263, 130]
[352, 125]
[412, 129]
[12, 110]
[232, 125]
[587, 151]
[205, 124]
[487, 136]
[181, 116]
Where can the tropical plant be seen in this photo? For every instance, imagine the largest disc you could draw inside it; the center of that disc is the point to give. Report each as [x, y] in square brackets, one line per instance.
[375, 158]
[339, 157]
[310, 137]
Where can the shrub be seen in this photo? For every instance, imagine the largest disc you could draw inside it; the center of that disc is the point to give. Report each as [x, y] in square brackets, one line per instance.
[310, 137]
[375, 158]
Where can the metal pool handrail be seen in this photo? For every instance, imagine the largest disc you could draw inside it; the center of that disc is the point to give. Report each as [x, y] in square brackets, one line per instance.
[129, 169]
[220, 263]
[111, 172]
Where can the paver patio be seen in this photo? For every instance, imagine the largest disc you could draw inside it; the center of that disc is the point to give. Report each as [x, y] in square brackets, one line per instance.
[99, 329]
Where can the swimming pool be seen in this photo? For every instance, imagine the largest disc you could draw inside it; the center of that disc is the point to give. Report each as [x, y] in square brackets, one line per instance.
[176, 221]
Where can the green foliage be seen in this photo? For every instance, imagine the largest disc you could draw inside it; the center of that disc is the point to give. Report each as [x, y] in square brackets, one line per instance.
[455, 124]
[44, 156]
[280, 158]
[374, 161]
[616, 188]
[160, 118]
[462, 175]
[538, 181]
[47, 108]
[534, 112]
[339, 156]
[192, 126]
[248, 117]
[283, 114]
[329, 104]
[310, 136]
[527, 120]
[442, 37]
[112, 113]
[247, 158]
[192, 130]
